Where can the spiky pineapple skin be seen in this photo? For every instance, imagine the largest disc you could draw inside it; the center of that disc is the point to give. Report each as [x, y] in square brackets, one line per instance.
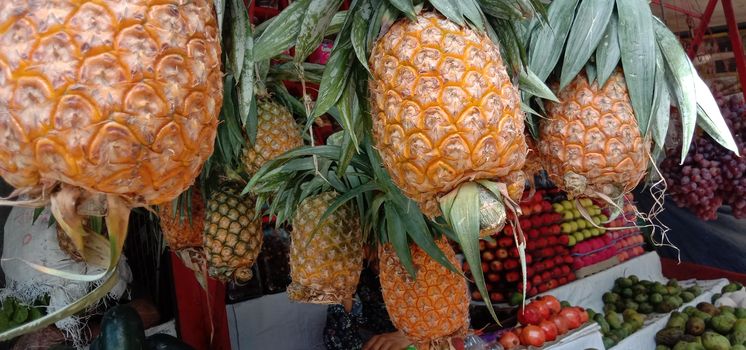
[180, 229]
[431, 308]
[277, 132]
[325, 268]
[114, 96]
[233, 237]
[444, 109]
[593, 133]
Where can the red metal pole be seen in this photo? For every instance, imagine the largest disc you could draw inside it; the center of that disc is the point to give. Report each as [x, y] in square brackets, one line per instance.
[679, 9]
[703, 24]
[736, 43]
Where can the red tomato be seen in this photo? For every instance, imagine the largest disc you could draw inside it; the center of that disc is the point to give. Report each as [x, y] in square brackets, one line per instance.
[561, 324]
[583, 315]
[509, 341]
[533, 335]
[572, 316]
[552, 304]
[543, 311]
[531, 314]
[550, 329]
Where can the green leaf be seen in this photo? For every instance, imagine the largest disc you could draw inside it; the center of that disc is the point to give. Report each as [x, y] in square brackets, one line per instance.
[608, 52]
[450, 9]
[406, 7]
[500, 9]
[681, 82]
[220, 12]
[336, 24]
[472, 12]
[334, 79]
[282, 32]
[547, 42]
[359, 32]
[385, 13]
[533, 85]
[661, 102]
[246, 81]
[251, 122]
[349, 113]
[710, 119]
[587, 30]
[344, 197]
[241, 31]
[637, 44]
[397, 236]
[590, 72]
[463, 215]
[315, 21]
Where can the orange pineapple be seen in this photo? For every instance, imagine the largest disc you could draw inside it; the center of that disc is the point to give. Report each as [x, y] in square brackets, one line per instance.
[431, 308]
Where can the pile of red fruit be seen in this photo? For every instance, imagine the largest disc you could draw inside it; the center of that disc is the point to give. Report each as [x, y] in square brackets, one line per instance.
[629, 241]
[543, 320]
[711, 175]
[593, 251]
[548, 259]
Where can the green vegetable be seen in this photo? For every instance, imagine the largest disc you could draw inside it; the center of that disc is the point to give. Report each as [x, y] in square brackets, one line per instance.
[714, 341]
[723, 323]
[21, 314]
[669, 336]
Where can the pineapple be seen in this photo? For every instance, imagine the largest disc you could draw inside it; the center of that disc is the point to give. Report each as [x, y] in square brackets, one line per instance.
[183, 231]
[325, 266]
[232, 235]
[431, 308]
[444, 109]
[115, 97]
[591, 142]
[276, 134]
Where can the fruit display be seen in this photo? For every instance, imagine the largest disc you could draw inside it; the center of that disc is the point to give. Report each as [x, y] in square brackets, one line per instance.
[595, 138]
[548, 263]
[543, 320]
[576, 226]
[711, 175]
[626, 235]
[647, 296]
[705, 327]
[732, 295]
[182, 229]
[616, 326]
[432, 317]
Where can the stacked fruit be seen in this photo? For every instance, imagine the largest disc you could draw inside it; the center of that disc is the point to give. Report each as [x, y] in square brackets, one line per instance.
[711, 175]
[547, 257]
[626, 235]
[543, 320]
[575, 225]
[704, 327]
[647, 296]
[616, 326]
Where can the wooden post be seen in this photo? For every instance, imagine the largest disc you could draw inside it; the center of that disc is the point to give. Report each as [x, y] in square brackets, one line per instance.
[704, 23]
[736, 43]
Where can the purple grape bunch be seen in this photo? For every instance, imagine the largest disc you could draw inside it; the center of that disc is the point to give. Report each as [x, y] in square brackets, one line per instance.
[711, 175]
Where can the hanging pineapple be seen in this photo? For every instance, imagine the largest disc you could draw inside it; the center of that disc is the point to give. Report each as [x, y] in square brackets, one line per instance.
[232, 235]
[431, 307]
[276, 134]
[326, 258]
[614, 95]
[115, 99]
[181, 229]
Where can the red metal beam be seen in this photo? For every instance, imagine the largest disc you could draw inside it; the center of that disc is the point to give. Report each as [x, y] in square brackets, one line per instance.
[704, 23]
[736, 43]
[679, 9]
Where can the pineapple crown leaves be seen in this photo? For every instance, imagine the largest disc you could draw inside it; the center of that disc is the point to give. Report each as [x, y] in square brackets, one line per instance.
[597, 35]
[386, 215]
